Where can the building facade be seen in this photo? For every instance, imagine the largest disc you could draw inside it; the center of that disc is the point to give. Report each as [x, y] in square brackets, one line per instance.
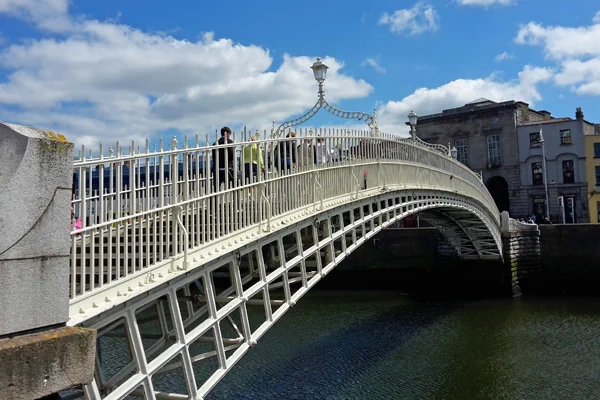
[592, 154]
[485, 135]
[564, 148]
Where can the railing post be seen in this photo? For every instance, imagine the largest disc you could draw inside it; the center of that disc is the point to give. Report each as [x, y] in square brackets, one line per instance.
[174, 170]
[317, 185]
[36, 173]
[265, 199]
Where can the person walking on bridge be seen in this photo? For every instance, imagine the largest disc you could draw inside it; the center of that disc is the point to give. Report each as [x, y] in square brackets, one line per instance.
[287, 152]
[252, 157]
[223, 160]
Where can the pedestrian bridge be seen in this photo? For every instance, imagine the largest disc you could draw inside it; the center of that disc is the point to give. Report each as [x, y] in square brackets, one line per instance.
[181, 274]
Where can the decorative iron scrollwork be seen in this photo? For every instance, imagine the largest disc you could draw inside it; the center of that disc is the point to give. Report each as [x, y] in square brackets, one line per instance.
[370, 120]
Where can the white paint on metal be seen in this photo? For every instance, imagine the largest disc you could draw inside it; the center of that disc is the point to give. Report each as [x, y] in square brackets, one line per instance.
[156, 235]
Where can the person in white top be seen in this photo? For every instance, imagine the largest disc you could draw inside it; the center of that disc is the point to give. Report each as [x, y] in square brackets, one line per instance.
[322, 156]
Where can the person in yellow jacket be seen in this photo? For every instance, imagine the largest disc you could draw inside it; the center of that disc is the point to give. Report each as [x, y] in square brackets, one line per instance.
[252, 158]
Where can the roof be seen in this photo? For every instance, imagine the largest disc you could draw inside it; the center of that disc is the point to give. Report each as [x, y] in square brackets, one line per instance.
[547, 121]
[480, 104]
[482, 100]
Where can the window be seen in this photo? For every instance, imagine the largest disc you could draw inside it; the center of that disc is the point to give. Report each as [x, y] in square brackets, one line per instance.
[534, 139]
[565, 136]
[568, 171]
[598, 208]
[597, 175]
[493, 144]
[596, 150]
[537, 173]
[461, 147]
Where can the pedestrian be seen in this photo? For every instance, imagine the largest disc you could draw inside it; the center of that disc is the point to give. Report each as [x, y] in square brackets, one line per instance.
[252, 157]
[306, 156]
[223, 160]
[322, 155]
[287, 152]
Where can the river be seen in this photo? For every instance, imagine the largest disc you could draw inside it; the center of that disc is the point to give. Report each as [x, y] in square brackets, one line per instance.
[386, 345]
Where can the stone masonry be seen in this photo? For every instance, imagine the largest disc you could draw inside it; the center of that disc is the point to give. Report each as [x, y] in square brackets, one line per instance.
[39, 356]
[475, 122]
[521, 250]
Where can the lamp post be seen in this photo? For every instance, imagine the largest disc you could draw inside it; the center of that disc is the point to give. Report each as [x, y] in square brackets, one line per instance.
[412, 120]
[543, 143]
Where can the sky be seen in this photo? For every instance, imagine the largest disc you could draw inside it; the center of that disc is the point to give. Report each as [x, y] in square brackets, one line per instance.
[101, 71]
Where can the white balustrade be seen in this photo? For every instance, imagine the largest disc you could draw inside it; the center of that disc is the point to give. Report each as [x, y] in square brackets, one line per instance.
[135, 209]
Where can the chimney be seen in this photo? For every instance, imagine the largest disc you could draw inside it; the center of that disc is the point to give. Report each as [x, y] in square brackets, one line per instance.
[579, 114]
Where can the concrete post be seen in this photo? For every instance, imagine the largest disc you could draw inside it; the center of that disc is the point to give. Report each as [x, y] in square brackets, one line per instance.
[35, 191]
[39, 356]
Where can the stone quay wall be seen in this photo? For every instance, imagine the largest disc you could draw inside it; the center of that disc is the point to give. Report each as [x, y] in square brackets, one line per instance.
[570, 256]
[521, 251]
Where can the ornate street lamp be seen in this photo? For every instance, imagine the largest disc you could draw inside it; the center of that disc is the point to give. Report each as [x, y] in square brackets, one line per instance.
[320, 72]
[412, 120]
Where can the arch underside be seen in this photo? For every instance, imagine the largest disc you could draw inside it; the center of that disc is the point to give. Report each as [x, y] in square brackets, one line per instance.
[215, 305]
[465, 231]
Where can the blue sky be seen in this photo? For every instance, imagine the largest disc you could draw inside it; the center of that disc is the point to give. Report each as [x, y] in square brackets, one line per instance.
[108, 70]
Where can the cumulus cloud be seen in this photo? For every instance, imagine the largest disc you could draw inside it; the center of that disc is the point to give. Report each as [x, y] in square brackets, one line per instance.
[574, 50]
[107, 81]
[503, 57]
[461, 91]
[51, 15]
[416, 20]
[486, 3]
[371, 62]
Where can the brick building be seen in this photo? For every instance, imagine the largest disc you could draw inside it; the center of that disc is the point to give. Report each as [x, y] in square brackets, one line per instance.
[485, 134]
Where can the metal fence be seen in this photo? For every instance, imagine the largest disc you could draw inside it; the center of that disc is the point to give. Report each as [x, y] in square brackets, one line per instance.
[132, 210]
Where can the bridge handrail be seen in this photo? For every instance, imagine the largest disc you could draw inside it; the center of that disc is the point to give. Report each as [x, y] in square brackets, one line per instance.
[140, 192]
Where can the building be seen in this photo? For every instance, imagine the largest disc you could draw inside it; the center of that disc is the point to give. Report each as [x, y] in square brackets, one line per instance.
[565, 168]
[485, 134]
[592, 154]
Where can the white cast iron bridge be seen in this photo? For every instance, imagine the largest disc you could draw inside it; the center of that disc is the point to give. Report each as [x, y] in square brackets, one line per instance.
[182, 258]
[180, 279]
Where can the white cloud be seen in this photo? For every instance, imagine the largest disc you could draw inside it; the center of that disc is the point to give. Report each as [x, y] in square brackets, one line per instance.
[416, 20]
[504, 56]
[575, 50]
[51, 15]
[426, 101]
[486, 3]
[108, 81]
[596, 18]
[375, 64]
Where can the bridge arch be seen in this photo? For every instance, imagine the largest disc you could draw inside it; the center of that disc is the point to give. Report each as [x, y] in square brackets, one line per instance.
[171, 260]
[236, 297]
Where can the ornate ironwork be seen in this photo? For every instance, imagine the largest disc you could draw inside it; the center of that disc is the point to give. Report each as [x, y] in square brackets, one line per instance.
[370, 120]
[439, 147]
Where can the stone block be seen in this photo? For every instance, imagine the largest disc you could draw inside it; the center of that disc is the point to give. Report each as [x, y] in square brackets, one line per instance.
[33, 293]
[38, 365]
[36, 172]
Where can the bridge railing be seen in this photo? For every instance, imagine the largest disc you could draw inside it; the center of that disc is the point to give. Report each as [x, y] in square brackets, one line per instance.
[138, 208]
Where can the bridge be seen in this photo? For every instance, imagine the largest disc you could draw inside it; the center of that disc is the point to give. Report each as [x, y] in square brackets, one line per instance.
[183, 255]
